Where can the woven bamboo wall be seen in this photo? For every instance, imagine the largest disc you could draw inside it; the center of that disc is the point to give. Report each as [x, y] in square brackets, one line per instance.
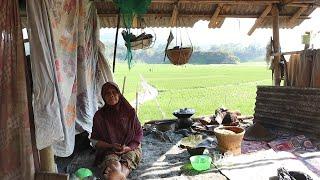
[289, 107]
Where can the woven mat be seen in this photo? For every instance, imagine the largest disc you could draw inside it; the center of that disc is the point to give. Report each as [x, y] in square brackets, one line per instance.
[262, 165]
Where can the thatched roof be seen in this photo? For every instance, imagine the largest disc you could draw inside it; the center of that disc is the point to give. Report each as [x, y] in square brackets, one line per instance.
[163, 13]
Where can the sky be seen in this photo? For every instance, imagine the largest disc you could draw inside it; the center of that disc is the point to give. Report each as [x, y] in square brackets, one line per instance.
[233, 30]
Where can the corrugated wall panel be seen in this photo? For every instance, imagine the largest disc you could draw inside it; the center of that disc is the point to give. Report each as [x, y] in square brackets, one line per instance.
[289, 107]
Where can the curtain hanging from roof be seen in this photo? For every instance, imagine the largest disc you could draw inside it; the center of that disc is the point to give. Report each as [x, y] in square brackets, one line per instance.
[64, 53]
[16, 159]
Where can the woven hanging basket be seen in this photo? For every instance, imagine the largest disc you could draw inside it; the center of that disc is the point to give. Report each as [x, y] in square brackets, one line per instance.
[179, 56]
[142, 44]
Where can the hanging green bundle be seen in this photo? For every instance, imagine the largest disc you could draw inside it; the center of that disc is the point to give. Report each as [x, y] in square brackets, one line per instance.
[129, 9]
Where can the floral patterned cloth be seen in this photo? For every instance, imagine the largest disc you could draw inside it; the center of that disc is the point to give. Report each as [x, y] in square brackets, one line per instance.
[64, 55]
[16, 159]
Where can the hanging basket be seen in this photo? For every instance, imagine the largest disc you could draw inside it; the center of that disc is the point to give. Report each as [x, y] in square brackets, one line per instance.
[144, 42]
[179, 55]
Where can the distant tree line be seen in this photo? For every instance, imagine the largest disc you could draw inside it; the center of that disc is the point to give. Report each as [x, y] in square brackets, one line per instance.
[217, 54]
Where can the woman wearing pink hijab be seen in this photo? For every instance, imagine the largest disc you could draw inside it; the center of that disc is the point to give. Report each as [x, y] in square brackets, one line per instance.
[116, 134]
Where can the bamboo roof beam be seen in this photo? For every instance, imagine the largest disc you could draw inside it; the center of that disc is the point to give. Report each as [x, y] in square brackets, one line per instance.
[135, 22]
[201, 16]
[286, 1]
[286, 53]
[260, 19]
[214, 21]
[276, 45]
[238, 2]
[226, 1]
[296, 15]
[174, 16]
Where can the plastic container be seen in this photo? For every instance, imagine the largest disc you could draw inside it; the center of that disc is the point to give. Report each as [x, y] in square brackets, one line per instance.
[83, 173]
[201, 162]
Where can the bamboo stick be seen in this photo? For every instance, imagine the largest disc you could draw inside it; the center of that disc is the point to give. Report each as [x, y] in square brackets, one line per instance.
[47, 160]
[137, 103]
[276, 45]
[296, 15]
[204, 16]
[213, 20]
[260, 19]
[174, 16]
[115, 44]
[234, 1]
[124, 84]
[286, 53]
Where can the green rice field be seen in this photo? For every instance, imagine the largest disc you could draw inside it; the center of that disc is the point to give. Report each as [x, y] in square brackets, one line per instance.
[202, 87]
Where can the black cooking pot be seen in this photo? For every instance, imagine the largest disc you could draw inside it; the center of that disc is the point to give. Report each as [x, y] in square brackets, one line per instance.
[184, 113]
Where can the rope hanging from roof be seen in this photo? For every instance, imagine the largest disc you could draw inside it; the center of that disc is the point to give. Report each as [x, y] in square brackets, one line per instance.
[129, 9]
[179, 54]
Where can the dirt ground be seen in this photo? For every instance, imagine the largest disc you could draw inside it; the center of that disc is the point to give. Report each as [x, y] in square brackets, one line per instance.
[165, 160]
[161, 160]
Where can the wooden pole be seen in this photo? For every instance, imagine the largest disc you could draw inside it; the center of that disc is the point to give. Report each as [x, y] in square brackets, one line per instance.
[47, 160]
[286, 53]
[115, 44]
[124, 84]
[31, 115]
[137, 98]
[276, 45]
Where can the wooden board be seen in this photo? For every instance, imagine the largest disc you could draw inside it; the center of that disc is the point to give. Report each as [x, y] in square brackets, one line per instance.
[51, 176]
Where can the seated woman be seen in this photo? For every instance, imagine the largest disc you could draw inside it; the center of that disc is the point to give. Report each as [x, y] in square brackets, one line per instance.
[116, 134]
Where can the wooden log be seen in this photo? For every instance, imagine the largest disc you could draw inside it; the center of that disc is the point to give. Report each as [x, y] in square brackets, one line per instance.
[276, 45]
[124, 84]
[200, 16]
[116, 44]
[260, 19]
[214, 19]
[234, 1]
[29, 85]
[50, 176]
[174, 16]
[135, 22]
[47, 163]
[296, 15]
[286, 53]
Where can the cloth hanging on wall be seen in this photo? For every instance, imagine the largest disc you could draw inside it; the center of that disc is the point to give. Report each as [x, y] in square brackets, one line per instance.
[64, 54]
[16, 159]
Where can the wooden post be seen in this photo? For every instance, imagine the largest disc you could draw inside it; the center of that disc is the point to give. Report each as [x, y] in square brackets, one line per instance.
[137, 103]
[47, 160]
[276, 45]
[124, 84]
[116, 44]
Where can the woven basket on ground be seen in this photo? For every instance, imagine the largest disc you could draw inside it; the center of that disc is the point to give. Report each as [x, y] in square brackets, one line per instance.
[229, 142]
[179, 56]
